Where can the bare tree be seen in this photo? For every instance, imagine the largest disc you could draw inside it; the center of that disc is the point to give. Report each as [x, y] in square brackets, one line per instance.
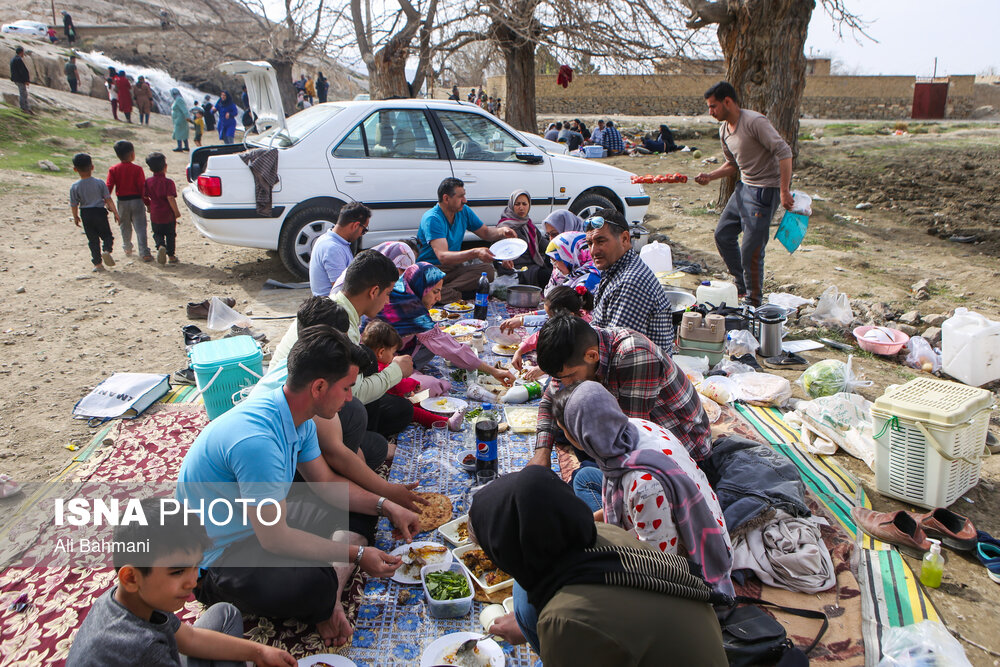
[763, 42]
[259, 30]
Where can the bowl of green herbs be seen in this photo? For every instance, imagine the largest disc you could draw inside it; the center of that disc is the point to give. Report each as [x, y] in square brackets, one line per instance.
[447, 590]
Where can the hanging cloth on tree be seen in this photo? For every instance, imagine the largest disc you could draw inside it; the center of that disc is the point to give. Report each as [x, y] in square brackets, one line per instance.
[565, 76]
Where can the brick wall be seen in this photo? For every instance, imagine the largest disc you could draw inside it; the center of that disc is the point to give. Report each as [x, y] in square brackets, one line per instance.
[856, 97]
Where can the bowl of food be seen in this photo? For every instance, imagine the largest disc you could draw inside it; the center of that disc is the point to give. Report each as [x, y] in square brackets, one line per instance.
[456, 531]
[467, 460]
[447, 590]
[479, 566]
[880, 340]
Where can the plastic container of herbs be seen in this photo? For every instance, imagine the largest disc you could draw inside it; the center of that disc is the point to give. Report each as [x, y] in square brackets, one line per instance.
[443, 590]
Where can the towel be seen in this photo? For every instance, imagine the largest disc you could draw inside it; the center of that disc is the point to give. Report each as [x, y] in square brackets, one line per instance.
[263, 164]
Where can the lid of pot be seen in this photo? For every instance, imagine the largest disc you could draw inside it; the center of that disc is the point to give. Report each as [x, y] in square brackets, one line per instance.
[771, 314]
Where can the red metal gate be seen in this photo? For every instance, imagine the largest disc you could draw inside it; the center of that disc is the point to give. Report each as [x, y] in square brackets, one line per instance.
[929, 99]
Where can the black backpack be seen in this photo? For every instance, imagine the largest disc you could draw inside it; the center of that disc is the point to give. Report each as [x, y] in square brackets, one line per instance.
[751, 637]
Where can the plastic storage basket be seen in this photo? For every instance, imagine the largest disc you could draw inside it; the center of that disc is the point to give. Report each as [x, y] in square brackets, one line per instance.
[930, 436]
[224, 368]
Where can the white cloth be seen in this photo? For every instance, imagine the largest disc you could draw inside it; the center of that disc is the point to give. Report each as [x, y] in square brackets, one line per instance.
[787, 552]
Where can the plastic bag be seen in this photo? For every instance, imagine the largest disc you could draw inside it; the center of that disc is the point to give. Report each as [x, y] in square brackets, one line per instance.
[686, 363]
[830, 376]
[923, 644]
[801, 203]
[920, 355]
[792, 230]
[762, 389]
[788, 301]
[833, 309]
[498, 288]
[842, 420]
[221, 317]
[740, 342]
[730, 367]
[718, 388]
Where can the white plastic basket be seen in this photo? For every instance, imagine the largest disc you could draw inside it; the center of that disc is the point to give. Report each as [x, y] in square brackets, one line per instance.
[930, 438]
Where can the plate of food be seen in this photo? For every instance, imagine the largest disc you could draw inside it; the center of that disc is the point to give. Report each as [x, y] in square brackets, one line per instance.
[522, 418]
[459, 307]
[497, 336]
[457, 531]
[505, 350]
[506, 249]
[415, 555]
[467, 460]
[437, 314]
[479, 566]
[326, 660]
[443, 405]
[459, 330]
[442, 650]
[436, 512]
[478, 325]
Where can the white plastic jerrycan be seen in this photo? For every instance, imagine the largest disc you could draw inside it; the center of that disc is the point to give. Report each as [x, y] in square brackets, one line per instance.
[970, 348]
[718, 292]
[657, 257]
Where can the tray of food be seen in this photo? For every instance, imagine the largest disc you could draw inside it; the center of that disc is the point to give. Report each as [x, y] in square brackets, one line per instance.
[522, 418]
[457, 531]
[489, 577]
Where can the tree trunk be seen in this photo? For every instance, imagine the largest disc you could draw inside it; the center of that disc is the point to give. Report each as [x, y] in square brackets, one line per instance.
[388, 76]
[765, 61]
[519, 101]
[283, 71]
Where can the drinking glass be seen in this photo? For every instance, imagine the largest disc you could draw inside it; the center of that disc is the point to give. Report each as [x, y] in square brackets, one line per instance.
[439, 431]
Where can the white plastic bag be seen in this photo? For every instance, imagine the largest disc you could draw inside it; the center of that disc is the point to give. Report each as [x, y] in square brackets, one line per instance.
[687, 363]
[923, 644]
[761, 389]
[801, 203]
[833, 309]
[718, 388]
[788, 301]
[830, 376]
[221, 317]
[920, 355]
[730, 367]
[842, 420]
[740, 342]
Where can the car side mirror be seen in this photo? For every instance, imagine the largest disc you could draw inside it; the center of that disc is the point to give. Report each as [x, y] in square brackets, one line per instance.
[528, 156]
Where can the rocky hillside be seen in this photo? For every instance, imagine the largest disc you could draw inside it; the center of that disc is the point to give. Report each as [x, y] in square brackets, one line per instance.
[129, 31]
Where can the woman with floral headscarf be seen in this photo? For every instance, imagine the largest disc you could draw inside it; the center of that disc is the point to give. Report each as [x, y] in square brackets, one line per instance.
[572, 263]
[415, 292]
[400, 253]
[533, 267]
[179, 116]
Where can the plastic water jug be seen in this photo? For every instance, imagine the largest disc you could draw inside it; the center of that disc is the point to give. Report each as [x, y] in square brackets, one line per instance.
[970, 348]
[717, 292]
[657, 257]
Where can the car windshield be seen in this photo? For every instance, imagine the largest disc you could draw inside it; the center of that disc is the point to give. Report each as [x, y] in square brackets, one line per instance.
[298, 126]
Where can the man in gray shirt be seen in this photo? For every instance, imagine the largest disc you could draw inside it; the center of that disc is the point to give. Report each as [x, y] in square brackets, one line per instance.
[754, 150]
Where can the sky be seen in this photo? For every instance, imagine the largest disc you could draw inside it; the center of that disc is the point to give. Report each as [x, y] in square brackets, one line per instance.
[910, 33]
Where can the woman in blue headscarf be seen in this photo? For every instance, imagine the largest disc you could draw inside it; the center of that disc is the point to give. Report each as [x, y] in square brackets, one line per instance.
[179, 116]
[227, 112]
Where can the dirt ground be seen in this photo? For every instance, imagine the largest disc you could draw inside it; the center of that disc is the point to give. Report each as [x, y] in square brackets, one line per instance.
[64, 328]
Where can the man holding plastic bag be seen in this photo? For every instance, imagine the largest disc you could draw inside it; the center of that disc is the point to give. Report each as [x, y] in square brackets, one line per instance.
[763, 160]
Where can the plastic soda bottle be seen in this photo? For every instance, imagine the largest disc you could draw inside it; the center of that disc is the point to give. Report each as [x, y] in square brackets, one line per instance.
[482, 296]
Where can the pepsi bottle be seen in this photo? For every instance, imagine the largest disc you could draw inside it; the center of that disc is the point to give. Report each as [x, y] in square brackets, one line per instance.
[486, 445]
[482, 295]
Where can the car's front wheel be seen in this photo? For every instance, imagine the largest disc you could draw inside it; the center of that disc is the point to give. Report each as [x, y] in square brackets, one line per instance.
[300, 232]
[589, 203]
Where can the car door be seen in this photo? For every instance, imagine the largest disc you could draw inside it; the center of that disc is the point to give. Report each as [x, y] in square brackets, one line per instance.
[391, 162]
[482, 154]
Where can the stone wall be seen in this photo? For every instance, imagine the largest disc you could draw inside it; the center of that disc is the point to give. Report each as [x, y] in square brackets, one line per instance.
[855, 97]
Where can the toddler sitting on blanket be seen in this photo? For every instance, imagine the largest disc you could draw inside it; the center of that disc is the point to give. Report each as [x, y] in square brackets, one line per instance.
[383, 340]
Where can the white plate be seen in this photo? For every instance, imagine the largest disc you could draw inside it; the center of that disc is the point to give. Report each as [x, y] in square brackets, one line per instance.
[331, 659]
[508, 249]
[434, 654]
[501, 352]
[401, 550]
[497, 336]
[464, 309]
[451, 405]
[458, 551]
[450, 531]
[478, 325]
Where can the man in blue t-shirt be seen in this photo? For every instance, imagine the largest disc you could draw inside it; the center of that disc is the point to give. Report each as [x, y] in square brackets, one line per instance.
[291, 564]
[440, 236]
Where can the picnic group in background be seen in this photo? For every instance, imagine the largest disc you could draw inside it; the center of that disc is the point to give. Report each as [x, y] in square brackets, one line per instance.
[619, 566]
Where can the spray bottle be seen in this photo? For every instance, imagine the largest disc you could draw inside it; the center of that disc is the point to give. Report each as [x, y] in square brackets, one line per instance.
[932, 568]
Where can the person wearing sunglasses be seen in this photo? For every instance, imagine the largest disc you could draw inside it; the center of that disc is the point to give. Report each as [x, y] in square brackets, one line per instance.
[628, 295]
[332, 252]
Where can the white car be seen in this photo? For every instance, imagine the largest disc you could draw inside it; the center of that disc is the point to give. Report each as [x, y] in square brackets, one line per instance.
[26, 28]
[391, 155]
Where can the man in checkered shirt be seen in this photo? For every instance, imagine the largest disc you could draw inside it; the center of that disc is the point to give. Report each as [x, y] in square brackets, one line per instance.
[629, 295]
[646, 382]
[611, 139]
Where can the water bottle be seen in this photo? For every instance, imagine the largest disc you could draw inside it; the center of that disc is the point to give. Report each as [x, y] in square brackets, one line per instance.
[523, 393]
[486, 445]
[482, 295]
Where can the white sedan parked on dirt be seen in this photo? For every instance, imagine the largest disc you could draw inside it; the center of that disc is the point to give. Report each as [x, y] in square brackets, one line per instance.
[26, 28]
[391, 155]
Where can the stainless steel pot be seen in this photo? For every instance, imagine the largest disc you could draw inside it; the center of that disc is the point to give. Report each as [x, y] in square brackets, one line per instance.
[524, 296]
[680, 300]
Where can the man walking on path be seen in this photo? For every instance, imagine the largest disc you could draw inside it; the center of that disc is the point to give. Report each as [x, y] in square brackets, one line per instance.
[19, 75]
[755, 151]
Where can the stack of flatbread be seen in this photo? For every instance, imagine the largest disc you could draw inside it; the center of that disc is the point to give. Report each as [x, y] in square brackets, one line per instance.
[435, 514]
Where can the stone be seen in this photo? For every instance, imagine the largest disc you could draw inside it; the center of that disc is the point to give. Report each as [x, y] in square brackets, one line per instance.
[921, 285]
[935, 320]
[933, 335]
[908, 329]
[48, 165]
[19, 290]
[84, 123]
[911, 317]
[864, 206]
[922, 295]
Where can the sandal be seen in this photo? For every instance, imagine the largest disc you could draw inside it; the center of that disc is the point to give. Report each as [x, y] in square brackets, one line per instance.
[786, 360]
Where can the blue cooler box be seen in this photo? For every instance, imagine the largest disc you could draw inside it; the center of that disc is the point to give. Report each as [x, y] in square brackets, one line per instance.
[224, 368]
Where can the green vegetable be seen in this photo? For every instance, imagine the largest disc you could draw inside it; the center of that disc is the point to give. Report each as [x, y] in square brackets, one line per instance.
[447, 585]
[458, 375]
[825, 378]
[472, 414]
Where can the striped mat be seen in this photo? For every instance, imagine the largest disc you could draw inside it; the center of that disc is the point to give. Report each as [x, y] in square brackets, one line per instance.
[891, 596]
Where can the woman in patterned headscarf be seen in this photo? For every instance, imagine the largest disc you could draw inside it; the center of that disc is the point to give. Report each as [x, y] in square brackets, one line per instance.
[533, 267]
[572, 263]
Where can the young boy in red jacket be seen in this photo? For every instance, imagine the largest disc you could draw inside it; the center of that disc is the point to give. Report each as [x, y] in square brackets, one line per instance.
[129, 180]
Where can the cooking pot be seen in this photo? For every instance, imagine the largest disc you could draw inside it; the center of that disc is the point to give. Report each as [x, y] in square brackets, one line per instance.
[523, 296]
[680, 300]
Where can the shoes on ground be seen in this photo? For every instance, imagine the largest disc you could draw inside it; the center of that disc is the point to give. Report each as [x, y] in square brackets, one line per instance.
[258, 336]
[99, 268]
[172, 259]
[896, 528]
[988, 552]
[193, 335]
[147, 258]
[954, 530]
[108, 259]
[748, 359]
[786, 360]
[161, 255]
[199, 311]
[184, 376]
